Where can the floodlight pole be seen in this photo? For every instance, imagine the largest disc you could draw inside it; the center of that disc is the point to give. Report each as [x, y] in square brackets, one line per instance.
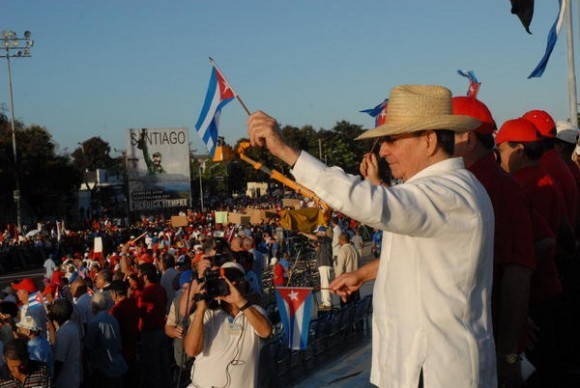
[10, 41]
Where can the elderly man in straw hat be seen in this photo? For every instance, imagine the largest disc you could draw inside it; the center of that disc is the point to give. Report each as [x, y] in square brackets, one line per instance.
[432, 317]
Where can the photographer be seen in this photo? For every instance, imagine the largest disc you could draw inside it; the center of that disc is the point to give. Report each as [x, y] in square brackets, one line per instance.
[225, 340]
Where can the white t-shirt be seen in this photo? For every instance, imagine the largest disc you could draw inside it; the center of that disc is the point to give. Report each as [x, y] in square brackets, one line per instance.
[49, 265]
[231, 352]
[336, 231]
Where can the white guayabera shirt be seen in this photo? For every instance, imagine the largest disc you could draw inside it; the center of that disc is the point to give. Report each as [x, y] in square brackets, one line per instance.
[433, 288]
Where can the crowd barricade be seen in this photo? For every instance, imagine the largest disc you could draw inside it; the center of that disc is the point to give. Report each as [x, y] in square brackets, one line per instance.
[331, 334]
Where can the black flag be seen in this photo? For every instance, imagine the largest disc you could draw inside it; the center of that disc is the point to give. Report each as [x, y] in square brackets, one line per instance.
[525, 11]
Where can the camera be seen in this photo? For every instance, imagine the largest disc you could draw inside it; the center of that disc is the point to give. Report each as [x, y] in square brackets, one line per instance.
[215, 285]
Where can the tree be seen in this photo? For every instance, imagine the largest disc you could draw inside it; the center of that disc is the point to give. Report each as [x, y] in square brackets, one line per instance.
[92, 154]
[47, 180]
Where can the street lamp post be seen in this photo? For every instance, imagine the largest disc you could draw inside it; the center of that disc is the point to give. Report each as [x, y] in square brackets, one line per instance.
[10, 41]
[201, 184]
[201, 170]
[90, 209]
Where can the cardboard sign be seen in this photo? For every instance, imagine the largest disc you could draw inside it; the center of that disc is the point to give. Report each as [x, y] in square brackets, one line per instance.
[98, 244]
[291, 203]
[255, 215]
[221, 217]
[238, 218]
[178, 221]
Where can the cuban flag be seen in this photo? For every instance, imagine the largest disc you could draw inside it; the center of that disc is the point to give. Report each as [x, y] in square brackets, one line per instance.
[379, 112]
[474, 84]
[294, 305]
[219, 94]
[552, 38]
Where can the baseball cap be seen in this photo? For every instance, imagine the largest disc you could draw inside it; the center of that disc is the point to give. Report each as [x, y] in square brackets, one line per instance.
[320, 229]
[566, 132]
[518, 130]
[26, 284]
[29, 323]
[543, 122]
[469, 106]
[185, 277]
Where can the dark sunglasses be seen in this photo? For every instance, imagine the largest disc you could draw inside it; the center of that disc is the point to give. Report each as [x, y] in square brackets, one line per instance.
[391, 139]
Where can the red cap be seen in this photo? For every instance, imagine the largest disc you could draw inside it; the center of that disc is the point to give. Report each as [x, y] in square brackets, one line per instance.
[469, 106]
[517, 130]
[26, 284]
[543, 122]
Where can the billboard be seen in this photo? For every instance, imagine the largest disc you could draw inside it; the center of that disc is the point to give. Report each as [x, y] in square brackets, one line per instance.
[158, 168]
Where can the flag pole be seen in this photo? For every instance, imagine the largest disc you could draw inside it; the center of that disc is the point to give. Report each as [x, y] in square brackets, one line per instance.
[212, 62]
[572, 97]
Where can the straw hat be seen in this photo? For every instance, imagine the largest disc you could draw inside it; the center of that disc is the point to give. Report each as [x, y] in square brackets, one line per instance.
[414, 108]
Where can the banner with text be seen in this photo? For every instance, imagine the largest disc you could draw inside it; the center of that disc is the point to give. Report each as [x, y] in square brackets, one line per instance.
[158, 168]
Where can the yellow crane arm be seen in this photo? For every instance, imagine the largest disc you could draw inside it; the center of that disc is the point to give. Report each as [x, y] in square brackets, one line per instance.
[278, 176]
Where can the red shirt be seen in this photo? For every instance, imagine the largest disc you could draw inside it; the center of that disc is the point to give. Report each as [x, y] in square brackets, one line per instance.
[556, 167]
[514, 242]
[514, 239]
[548, 202]
[278, 274]
[576, 173]
[151, 303]
[127, 314]
[545, 195]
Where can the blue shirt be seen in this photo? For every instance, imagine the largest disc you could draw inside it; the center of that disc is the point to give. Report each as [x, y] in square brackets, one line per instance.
[39, 349]
[103, 343]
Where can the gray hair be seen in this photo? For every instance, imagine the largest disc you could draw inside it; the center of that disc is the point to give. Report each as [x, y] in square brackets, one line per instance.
[100, 302]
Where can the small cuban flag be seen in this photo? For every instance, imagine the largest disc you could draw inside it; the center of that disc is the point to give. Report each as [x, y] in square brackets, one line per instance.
[219, 94]
[379, 112]
[294, 304]
[474, 84]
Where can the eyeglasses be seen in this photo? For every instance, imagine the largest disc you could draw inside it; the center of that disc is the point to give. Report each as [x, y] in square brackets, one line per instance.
[390, 140]
[393, 138]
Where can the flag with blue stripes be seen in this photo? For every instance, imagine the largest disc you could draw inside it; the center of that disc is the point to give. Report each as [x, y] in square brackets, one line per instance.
[474, 84]
[552, 38]
[378, 112]
[294, 306]
[219, 94]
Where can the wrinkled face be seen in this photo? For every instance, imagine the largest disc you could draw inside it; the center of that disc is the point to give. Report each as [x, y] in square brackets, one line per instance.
[405, 154]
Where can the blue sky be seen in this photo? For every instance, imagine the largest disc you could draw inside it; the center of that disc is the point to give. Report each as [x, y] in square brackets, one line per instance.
[100, 67]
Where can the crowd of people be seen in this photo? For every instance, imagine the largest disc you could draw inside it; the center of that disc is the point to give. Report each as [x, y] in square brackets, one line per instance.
[476, 265]
[138, 311]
